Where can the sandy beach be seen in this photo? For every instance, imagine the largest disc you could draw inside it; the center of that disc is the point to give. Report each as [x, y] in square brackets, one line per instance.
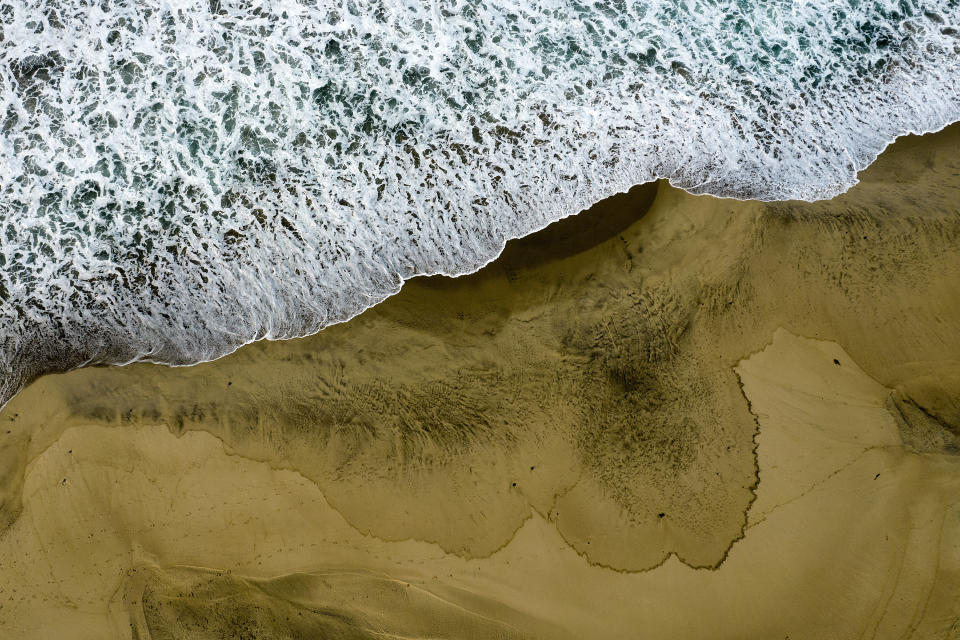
[671, 416]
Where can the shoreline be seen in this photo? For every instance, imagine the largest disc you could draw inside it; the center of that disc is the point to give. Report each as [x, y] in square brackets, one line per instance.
[28, 377]
[654, 398]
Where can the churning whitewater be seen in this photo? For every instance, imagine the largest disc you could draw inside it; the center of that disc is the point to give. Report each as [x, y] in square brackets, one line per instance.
[180, 177]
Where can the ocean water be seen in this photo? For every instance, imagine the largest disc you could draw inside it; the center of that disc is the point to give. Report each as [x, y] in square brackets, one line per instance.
[180, 177]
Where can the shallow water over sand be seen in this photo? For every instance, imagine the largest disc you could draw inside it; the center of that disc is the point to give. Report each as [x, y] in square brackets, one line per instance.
[669, 417]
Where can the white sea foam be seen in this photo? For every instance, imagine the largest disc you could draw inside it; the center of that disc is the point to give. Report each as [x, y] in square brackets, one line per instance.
[178, 178]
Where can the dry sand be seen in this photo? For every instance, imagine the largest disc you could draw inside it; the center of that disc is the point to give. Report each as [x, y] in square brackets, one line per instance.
[669, 417]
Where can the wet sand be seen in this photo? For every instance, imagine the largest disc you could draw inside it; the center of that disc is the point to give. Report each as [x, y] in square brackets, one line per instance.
[671, 416]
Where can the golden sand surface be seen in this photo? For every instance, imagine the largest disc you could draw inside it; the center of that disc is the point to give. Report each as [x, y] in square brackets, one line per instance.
[672, 416]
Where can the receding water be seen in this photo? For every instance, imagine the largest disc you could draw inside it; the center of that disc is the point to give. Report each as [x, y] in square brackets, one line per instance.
[180, 178]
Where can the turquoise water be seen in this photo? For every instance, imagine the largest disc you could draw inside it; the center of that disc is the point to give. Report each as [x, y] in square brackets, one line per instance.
[180, 178]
